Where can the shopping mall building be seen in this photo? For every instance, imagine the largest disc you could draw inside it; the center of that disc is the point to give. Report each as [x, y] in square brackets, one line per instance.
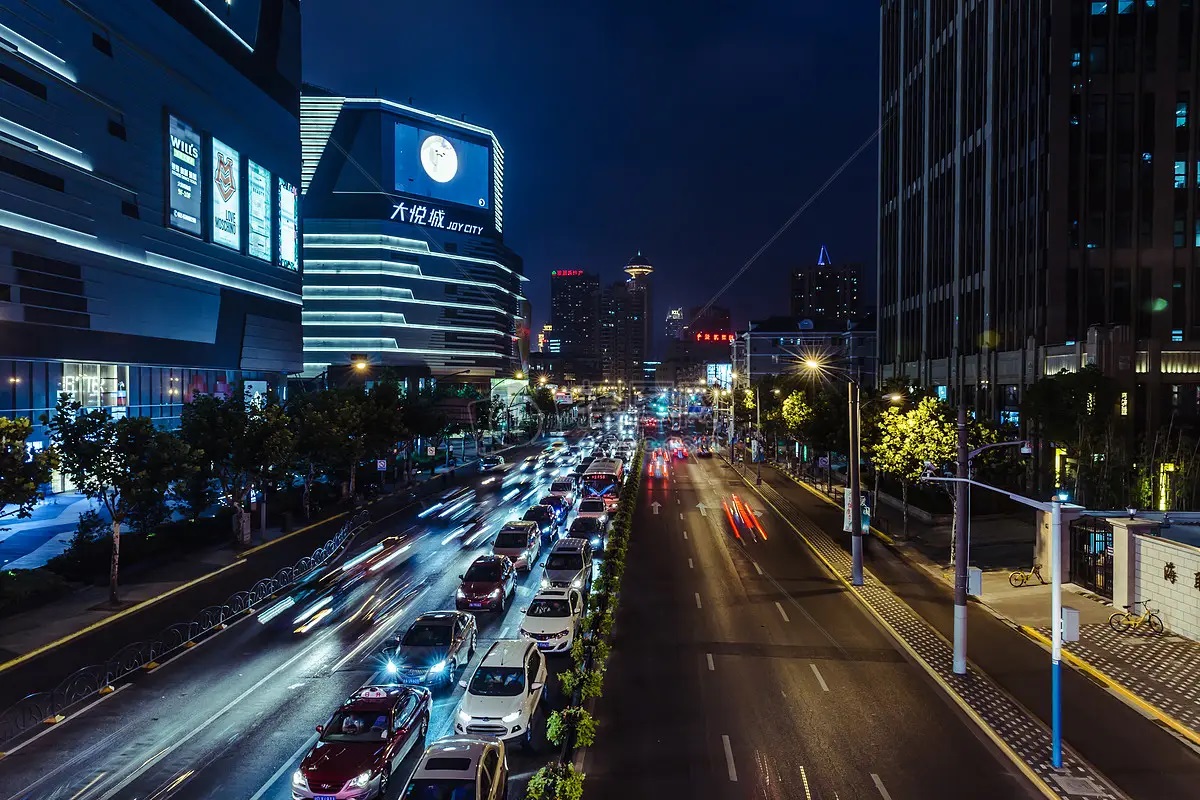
[149, 214]
[406, 269]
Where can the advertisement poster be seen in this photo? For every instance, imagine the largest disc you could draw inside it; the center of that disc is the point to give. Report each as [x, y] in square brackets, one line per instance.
[227, 199]
[259, 191]
[289, 226]
[442, 167]
[184, 201]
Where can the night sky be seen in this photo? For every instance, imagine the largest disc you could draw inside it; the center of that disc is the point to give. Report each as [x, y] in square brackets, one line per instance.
[688, 130]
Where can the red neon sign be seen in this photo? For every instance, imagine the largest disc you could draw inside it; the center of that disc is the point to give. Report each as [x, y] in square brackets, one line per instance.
[566, 273]
[714, 337]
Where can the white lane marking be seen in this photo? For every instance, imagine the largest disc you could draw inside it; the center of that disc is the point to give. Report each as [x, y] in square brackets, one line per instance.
[197, 729]
[757, 568]
[676, 501]
[698, 600]
[681, 516]
[690, 564]
[304, 748]
[250, 614]
[504, 633]
[782, 692]
[879, 785]
[729, 759]
[685, 534]
[820, 678]
[711, 667]
[782, 613]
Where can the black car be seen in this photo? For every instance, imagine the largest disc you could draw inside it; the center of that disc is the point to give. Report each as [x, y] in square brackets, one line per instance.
[433, 648]
[546, 518]
[593, 529]
[559, 504]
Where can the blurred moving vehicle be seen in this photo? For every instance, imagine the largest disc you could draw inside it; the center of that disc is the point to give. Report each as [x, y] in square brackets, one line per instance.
[559, 504]
[657, 465]
[552, 619]
[489, 583]
[460, 768]
[521, 541]
[490, 462]
[433, 648]
[504, 693]
[564, 488]
[363, 743]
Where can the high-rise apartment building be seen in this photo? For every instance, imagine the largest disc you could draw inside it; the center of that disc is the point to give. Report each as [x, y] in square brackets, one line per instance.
[575, 315]
[675, 322]
[1039, 208]
[149, 225]
[827, 290]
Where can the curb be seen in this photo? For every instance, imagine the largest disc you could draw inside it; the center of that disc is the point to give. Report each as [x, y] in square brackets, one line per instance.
[1034, 779]
[1098, 675]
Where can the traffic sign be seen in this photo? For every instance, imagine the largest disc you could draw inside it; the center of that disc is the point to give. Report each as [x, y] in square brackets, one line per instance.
[431, 451]
[381, 464]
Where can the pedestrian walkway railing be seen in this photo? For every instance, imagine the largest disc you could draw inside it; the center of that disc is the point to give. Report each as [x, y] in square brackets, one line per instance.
[50, 707]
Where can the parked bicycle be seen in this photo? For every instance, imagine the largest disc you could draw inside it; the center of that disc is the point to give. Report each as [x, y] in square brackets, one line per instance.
[1128, 621]
[1020, 577]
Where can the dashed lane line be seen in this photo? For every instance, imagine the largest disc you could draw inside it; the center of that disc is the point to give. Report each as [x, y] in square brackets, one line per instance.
[820, 678]
[729, 759]
[698, 601]
[690, 564]
[757, 568]
[711, 666]
[782, 613]
[879, 785]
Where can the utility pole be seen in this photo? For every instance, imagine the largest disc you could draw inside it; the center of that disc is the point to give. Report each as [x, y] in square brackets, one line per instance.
[960, 542]
[855, 501]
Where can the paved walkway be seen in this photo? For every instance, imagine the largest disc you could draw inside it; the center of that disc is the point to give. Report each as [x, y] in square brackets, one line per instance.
[1159, 675]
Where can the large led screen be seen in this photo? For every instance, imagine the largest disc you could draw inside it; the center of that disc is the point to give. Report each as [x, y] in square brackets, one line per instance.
[289, 224]
[440, 167]
[184, 203]
[226, 195]
[259, 191]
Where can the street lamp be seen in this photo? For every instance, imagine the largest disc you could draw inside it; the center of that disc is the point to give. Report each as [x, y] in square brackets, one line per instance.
[1054, 509]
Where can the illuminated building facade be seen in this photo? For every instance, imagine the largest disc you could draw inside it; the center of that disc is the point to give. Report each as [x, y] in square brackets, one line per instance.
[406, 265]
[149, 164]
[827, 290]
[575, 315]
[673, 328]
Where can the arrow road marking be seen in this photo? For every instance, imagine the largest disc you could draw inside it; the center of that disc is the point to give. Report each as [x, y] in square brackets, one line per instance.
[703, 509]
[656, 506]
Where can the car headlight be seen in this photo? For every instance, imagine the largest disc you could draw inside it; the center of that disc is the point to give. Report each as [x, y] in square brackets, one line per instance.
[545, 583]
[524, 632]
[595, 540]
[461, 594]
[391, 668]
[560, 634]
[438, 667]
[513, 717]
[577, 583]
[359, 781]
[299, 781]
[494, 593]
[464, 717]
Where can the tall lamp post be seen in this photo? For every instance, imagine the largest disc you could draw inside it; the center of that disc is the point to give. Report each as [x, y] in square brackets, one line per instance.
[1054, 509]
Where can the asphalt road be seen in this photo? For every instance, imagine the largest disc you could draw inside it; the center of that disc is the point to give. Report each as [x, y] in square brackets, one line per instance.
[741, 669]
[1141, 757]
[233, 716]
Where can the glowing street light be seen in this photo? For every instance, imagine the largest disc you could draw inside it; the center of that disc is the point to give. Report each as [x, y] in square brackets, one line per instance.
[360, 365]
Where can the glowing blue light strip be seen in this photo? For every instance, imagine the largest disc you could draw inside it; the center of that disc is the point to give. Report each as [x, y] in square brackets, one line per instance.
[37, 54]
[221, 22]
[318, 115]
[389, 318]
[389, 294]
[45, 145]
[86, 241]
[393, 269]
[358, 241]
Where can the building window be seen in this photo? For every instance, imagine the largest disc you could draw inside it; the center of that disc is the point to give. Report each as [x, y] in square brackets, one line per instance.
[1176, 335]
[1099, 7]
[117, 129]
[102, 44]
[1181, 111]
[1178, 230]
[1124, 6]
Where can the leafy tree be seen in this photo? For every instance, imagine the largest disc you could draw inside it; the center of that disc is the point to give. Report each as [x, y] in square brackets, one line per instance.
[909, 438]
[123, 464]
[311, 420]
[21, 474]
[796, 413]
[237, 446]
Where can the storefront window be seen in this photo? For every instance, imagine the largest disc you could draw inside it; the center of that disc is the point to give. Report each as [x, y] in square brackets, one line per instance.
[97, 385]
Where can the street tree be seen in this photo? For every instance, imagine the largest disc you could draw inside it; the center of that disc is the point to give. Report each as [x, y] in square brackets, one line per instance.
[907, 439]
[796, 413]
[22, 473]
[123, 464]
[238, 446]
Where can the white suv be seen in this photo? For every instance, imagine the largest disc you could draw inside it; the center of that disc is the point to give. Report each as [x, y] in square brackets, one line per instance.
[593, 508]
[552, 619]
[569, 566]
[503, 694]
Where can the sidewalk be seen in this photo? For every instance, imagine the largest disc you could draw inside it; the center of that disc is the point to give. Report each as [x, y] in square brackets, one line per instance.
[1157, 675]
[29, 543]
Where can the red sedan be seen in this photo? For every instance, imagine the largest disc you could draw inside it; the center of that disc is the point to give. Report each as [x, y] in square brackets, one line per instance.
[363, 742]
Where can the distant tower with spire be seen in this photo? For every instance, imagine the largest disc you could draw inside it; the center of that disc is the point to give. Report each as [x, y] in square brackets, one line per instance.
[626, 335]
[827, 291]
[638, 266]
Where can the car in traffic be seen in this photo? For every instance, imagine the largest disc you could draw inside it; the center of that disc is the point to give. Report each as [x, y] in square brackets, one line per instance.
[657, 466]
[594, 529]
[552, 619]
[435, 645]
[559, 504]
[502, 697]
[593, 508]
[521, 541]
[546, 519]
[491, 462]
[564, 488]
[489, 583]
[363, 742]
[569, 565]
[460, 768]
